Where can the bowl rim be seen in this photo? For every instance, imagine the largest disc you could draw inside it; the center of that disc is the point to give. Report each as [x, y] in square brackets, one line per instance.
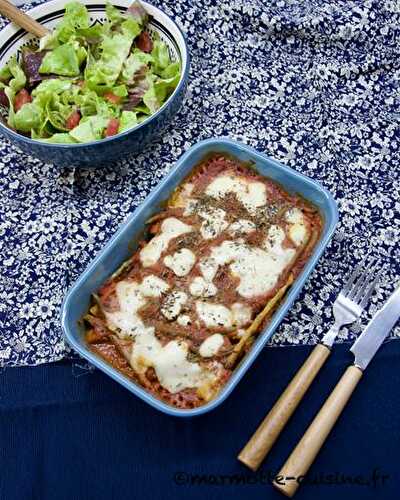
[105, 140]
[280, 313]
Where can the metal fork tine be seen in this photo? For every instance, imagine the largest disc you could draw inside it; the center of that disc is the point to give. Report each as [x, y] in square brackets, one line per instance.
[360, 286]
[353, 276]
[350, 302]
[370, 290]
[359, 289]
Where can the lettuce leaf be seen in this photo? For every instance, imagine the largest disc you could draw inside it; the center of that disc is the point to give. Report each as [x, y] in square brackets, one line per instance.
[105, 71]
[138, 12]
[17, 81]
[114, 15]
[65, 60]
[135, 65]
[159, 90]
[30, 63]
[53, 86]
[130, 28]
[29, 117]
[89, 129]
[76, 16]
[62, 138]
[160, 56]
[128, 120]
[13, 74]
[5, 74]
[172, 71]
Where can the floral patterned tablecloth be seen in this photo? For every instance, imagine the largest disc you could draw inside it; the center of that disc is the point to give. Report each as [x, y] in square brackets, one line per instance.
[313, 84]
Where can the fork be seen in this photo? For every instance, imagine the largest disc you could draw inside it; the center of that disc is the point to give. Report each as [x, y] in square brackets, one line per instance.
[347, 308]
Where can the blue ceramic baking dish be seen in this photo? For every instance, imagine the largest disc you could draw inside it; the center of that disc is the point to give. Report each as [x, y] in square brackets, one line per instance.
[120, 248]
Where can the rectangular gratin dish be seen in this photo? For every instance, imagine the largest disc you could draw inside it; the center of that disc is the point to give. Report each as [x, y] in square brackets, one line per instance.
[121, 245]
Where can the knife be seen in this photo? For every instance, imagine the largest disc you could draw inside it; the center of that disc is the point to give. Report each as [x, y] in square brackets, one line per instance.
[364, 349]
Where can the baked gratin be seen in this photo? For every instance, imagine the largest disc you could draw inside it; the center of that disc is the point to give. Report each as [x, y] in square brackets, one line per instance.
[214, 264]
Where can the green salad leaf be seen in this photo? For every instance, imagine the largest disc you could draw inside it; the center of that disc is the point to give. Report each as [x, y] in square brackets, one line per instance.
[134, 64]
[59, 139]
[105, 70]
[28, 117]
[128, 120]
[65, 60]
[90, 129]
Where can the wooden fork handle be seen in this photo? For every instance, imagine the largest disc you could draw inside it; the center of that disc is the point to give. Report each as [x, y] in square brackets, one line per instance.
[303, 455]
[267, 433]
[21, 19]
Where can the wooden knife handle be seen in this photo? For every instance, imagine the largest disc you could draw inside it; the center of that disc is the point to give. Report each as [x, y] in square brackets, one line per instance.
[303, 455]
[267, 433]
[21, 19]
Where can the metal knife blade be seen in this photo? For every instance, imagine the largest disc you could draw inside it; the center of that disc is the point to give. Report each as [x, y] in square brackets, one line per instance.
[365, 347]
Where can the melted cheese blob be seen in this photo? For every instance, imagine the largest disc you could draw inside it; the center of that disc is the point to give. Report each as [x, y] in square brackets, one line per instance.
[214, 222]
[170, 362]
[214, 315]
[211, 345]
[294, 215]
[170, 228]
[174, 371]
[199, 287]
[183, 320]
[241, 314]
[298, 231]
[242, 226]
[298, 234]
[153, 286]
[258, 268]
[252, 194]
[181, 262]
[173, 304]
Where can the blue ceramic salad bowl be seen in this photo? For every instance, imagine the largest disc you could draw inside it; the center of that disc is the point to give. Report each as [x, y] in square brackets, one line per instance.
[105, 151]
[121, 246]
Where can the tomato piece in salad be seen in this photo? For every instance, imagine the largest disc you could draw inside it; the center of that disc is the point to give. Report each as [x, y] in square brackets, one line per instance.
[144, 42]
[73, 120]
[112, 127]
[114, 99]
[22, 98]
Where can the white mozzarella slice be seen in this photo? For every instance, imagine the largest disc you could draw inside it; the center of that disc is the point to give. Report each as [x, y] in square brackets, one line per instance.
[170, 228]
[241, 314]
[211, 345]
[214, 222]
[208, 268]
[214, 315]
[184, 320]
[181, 262]
[173, 304]
[242, 226]
[298, 234]
[190, 207]
[153, 286]
[258, 268]
[174, 371]
[199, 287]
[252, 194]
[294, 215]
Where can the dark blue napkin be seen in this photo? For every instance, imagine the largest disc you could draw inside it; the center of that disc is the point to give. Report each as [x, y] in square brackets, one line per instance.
[70, 434]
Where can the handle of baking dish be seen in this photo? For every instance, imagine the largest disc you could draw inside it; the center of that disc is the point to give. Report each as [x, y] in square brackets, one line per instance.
[267, 433]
